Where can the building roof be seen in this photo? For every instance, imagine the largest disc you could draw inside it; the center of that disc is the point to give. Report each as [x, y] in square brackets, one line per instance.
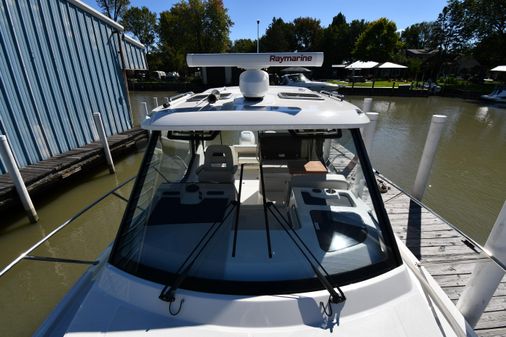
[282, 108]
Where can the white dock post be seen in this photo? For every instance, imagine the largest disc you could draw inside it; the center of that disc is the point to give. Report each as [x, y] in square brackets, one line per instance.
[370, 131]
[103, 139]
[487, 275]
[367, 105]
[12, 168]
[166, 100]
[142, 112]
[429, 152]
[155, 102]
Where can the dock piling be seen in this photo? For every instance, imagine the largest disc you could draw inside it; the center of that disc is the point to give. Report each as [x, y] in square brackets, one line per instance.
[367, 105]
[155, 102]
[370, 130]
[103, 139]
[12, 168]
[142, 112]
[486, 275]
[429, 152]
[166, 100]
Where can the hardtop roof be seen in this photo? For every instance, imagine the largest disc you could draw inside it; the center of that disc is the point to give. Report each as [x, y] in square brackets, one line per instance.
[283, 108]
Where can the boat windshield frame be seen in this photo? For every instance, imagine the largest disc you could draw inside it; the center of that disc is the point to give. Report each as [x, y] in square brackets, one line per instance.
[235, 287]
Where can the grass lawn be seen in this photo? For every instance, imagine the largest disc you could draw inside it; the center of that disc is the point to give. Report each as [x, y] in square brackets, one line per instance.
[368, 84]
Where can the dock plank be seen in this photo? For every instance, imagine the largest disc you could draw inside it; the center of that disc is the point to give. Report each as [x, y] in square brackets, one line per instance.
[441, 249]
[45, 174]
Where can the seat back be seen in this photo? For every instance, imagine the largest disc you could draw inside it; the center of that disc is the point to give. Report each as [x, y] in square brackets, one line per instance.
[218, 165]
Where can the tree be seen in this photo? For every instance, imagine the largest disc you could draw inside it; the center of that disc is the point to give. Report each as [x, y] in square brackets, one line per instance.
[478, 26]
[193, 26]
[114, 9]
[336, 41]
[449, 32]
[308, 34]
[378, 42]
[244, 46]
[279, 36]
[142, 23]
[419, 36]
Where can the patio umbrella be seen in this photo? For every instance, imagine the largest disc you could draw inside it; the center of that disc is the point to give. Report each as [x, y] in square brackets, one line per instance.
[390, 65]
[499, 68]
[362, 65]
[295, 70]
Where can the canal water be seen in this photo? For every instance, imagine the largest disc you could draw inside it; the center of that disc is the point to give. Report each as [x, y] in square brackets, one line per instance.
[467, 187]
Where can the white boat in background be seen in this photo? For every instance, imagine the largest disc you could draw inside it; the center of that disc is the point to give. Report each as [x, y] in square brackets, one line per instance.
[238, 225]
[496, 96]
[300, 80]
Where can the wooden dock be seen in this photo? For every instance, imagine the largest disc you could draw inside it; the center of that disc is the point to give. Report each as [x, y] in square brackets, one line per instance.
[445, 253]
[42, 176]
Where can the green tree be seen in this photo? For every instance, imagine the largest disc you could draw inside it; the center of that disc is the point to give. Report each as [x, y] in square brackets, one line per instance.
[114, 9]
[357, 27]
[193, 26]
[336, 41]
[244, 46]
[476, 26]
[142, 23]
[279, 36]
[420, 35]
[378, 42]
[308, 34]
[450, 33]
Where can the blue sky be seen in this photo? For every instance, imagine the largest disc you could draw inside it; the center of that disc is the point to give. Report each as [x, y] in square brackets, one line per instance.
[244, 13]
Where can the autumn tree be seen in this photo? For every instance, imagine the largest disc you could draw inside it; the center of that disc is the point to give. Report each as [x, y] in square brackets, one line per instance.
[114, 9]
[142, 23]
[378, 42]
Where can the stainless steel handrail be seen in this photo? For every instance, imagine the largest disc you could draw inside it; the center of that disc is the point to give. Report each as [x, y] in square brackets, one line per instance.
[63, 225]
[467, 237]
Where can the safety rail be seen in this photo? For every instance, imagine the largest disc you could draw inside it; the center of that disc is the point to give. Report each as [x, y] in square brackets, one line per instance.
[26, 254]
[470, 240]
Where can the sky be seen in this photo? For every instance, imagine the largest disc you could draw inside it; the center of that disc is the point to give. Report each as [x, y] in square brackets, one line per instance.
[245, 13]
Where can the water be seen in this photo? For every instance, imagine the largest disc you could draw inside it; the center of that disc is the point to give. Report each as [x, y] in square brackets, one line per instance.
[467, 187]
[33, 288]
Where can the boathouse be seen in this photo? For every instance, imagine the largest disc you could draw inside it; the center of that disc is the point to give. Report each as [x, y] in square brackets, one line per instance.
[60, 61]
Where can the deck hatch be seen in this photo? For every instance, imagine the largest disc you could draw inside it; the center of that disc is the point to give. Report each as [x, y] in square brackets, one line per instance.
[300, 95]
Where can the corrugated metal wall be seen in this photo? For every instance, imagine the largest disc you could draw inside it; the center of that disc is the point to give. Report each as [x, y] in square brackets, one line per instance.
[59, 63]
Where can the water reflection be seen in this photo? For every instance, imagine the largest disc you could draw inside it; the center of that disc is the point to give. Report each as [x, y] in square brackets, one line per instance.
[468, 179]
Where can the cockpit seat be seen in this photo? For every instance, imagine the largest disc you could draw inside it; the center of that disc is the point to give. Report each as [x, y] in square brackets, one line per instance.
[218, 165]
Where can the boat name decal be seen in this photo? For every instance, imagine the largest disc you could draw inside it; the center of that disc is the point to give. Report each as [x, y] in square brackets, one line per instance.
[291, 58]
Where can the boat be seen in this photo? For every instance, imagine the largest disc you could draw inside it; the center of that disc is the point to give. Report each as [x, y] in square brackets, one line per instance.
[238, 225]
[496, 96]
[300, 80]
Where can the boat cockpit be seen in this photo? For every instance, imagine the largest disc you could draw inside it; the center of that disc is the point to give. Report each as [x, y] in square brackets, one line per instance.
[253, 212]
